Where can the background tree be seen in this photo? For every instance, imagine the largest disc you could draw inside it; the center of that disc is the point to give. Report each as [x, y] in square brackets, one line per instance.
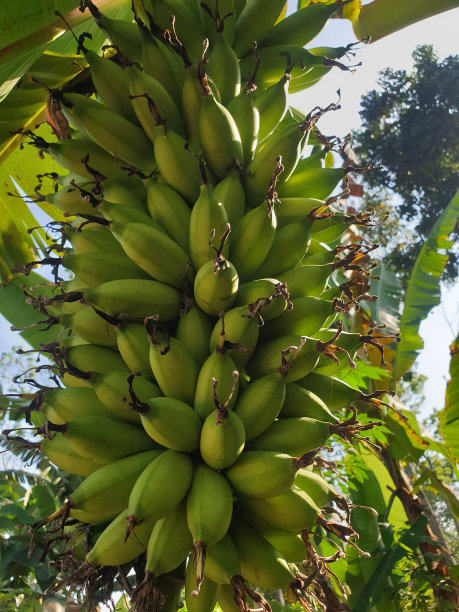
[410, 128]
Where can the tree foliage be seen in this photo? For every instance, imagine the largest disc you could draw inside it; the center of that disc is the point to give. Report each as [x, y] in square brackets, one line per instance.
[410, 129]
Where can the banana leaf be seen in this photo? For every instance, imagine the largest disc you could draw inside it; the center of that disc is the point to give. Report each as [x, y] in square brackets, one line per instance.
[449, 416]
[423, 291]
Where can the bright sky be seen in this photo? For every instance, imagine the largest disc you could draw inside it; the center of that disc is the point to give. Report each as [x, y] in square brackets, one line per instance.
[440, 328]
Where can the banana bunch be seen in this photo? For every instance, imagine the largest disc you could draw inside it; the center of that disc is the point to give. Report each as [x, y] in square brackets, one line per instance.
[200, 340]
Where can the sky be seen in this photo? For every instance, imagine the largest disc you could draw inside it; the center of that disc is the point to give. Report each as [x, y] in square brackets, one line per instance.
[395, 51]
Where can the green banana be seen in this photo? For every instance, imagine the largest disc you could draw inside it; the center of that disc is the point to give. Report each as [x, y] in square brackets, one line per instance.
[97, 238]
[193, 331]
[209, 508]
[247, 118]
[112, 549]
[123, 34]
[296, 209]
[171, 423]
[154, 252]
[103, 439]
[134, 347]
[254, 22]
[222, 438]
[219, 366]
[60, 452]
[90, 358]
[136, 297]
[102, 495]
[143, 89]
[218, 134]
[261, 563]
[222, 561]
[216, 285]
[289, 544]
[112, 84]
[293, 356]
[272, 105]
[306, 280]
[252, 239]
[262, 473]
[299, 402]
[223, 68]
[335, 393]
[307, 316]
[169, 210]
[270, 294]
[241, 332]
[312, 183]
[315, 486]
[230, 193]
[90, 326]
[301, 26]
[289, 248]
[191, 102]
[174, 368]
[260, 403]
[294, 435]
[95, 268]
[208, 219]
[72, 403]
[160, 488]
[113, 390]
[292, 510]
[219, 13]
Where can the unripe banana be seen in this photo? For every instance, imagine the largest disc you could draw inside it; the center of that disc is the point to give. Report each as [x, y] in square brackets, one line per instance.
[154, 252]
[209, 507]
[90, 326]
[241, 332]
[315, 486]
[144, 88]
[222, 439]
[160, 488]
[134, 347]
[95, 268]
[289, 248]
[171, 423]
[216, 285]
[218, 366]
[222, 561]
[260, 403]
[103, 439]
[247, 118]
[272, 104]
[295, 435]
[169, 543]
[208, 217]
[126, 213]
[136, 297]
[312, 183]
[177, 163]
[118, 193]
[269, 293]
[90, 358]
[97, 238]
[289, 544]
[252, 239]
[301, 26]
[230, 193]
[174, 369]
[60, 452]
[293, 510]
[219, 137]
[103, 494]
[112, 549]
[70, 200]
[261, 563]
[193, 331]
[113, 391]
[223, 68]
[307, 316]
[72, 403]
[191, 102]
[299, 402]
[254, 22]
[226, 17]
[293, 356]
[169, 210]
[296, 209]
[112, 84]
[123, 34]
[263, 473]
[306, 280]
[335, 393]
[204, 599]
[226, 598]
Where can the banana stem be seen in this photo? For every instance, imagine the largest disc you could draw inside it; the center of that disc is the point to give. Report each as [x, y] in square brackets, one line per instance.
[383, 17]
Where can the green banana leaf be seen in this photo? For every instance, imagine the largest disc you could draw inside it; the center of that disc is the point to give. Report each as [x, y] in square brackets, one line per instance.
[423, 291]
[449, 416]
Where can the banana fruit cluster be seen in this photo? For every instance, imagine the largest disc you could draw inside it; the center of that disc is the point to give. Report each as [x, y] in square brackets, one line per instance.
[200, 345]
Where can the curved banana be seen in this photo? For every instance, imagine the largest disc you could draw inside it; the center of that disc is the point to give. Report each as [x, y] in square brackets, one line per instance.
[169, 210]
[294, 435]
[299, 402]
